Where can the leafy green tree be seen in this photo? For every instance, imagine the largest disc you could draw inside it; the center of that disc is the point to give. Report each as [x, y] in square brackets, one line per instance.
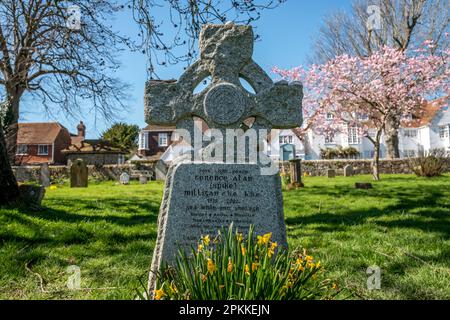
[122, 135]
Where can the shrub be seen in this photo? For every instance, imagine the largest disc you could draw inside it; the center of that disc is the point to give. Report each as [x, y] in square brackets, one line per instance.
[433, 164]
[232, 266]
[339, 153]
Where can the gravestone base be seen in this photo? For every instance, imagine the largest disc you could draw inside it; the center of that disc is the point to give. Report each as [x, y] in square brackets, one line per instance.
[201, 198]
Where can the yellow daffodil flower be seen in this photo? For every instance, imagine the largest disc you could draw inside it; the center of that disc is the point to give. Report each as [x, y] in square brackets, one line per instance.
[206, 240]
[159, 294]
[211, 266]
[230, 265]
[247, 270]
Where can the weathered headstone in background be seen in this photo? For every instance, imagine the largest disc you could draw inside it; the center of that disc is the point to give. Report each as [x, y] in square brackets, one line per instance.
[160, 170]
[296, 173]
[124, 178]
[78, 174]
[348, 171]
[331, 173]
[45, 175]
[201, 197]
[143, 179]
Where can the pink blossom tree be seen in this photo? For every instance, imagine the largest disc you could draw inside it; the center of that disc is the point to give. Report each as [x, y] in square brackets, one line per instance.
[365, 92]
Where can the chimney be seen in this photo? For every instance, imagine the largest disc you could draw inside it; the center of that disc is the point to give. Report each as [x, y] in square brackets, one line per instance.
[81, 130]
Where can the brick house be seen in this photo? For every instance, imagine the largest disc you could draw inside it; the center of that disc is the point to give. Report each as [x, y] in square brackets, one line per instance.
[41, 142]
[154, 140]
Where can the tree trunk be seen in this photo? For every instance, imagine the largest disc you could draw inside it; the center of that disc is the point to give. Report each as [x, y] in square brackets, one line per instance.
[391, 134]
[376, 163]
[9, 190]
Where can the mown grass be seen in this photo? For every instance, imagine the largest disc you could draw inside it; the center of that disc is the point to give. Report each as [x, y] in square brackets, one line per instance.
[109, 231]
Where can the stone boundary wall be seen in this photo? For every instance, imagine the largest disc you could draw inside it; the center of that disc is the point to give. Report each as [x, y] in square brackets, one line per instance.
[320, 167]
[99, 173]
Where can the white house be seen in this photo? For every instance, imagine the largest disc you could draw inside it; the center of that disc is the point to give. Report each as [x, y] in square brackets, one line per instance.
[430, 131]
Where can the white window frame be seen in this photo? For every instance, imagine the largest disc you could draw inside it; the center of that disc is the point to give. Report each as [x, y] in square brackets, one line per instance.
[329, 138]
[121, 159]
[39, 150]
[444, 131]
[20, 151]
[410, 133]
[330, 116]
[353, 136]
[163, 139]
[286, 139]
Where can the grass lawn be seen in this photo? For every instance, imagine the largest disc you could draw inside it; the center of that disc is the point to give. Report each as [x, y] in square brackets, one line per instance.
[108, 230]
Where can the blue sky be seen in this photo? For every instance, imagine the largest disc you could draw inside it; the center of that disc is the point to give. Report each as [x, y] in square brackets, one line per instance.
[286, 33]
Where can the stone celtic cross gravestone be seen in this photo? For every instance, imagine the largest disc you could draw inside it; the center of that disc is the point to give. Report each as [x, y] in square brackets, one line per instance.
[200, 197]
[78, 174]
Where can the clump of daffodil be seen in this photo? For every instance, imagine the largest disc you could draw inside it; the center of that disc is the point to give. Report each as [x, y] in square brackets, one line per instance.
[249, 266]
[53, 187]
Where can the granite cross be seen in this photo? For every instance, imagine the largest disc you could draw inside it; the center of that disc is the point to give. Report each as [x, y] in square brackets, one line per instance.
[225, 55]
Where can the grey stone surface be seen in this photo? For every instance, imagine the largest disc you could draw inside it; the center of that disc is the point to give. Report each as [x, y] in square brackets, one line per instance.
[225, 55]
[348, 171]
[201, 197]
[331, 173]
[45, 175]
[124, 178]
[160, 170]
[78, 174]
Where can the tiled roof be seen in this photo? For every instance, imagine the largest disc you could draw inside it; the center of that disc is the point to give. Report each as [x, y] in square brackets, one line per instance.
[156, 128]
[430, 110]
[92, 146]
[38, 133]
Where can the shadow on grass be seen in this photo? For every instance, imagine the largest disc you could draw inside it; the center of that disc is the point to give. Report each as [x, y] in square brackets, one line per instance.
[423, 201]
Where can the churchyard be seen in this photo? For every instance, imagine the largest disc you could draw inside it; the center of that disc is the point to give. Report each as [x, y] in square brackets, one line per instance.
[109, 231]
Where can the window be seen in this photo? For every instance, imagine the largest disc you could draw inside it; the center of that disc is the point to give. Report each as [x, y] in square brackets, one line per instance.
[362, 116]
[42, 150]
[285, 139]
[353, 136]
[143, 141]
[410, 133]
[444, 131]
[22, 149]
[163, 139]
[330, 116]
[329, 138]
[121, 159]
